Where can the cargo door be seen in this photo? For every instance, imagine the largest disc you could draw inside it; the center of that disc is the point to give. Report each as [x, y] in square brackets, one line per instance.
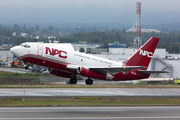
[40, 49]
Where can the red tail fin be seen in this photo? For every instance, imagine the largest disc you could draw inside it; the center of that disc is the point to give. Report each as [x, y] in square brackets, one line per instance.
[143, 55]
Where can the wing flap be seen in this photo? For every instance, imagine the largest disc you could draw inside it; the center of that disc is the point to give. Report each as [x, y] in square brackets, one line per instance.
[151, 71]
[114, 70]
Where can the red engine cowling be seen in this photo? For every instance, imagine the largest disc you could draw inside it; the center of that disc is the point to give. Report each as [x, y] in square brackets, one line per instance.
[91, 74]
[59, 73]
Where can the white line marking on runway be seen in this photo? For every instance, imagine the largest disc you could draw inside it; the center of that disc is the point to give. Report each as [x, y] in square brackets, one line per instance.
[91, 118]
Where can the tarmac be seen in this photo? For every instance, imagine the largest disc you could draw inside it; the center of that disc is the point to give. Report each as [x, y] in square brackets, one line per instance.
[91, 92]
[90, 113]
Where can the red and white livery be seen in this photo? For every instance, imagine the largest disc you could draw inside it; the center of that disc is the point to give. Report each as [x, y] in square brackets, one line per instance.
[63, 61]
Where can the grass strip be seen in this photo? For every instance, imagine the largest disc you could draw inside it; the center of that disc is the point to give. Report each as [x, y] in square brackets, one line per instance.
[5, 74]
[89, 101]
[32, 80]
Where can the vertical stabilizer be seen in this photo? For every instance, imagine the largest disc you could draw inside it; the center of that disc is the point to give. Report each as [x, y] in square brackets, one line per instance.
[144, 54]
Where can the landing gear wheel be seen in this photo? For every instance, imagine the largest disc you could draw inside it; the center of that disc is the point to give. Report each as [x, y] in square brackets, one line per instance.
[89, 81]
[73, 81]
[26, 67]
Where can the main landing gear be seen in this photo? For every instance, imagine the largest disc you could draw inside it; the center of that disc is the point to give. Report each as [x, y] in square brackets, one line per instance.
[73, 81]
[89, 81]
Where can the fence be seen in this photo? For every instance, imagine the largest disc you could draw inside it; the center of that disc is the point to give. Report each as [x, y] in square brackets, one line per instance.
[53, 79]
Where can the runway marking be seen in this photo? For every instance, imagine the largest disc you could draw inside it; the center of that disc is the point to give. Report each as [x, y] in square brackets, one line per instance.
[71, 91]
[91, 92]
[129, 107]
[60, 111]
[91, 118]
[86, 109]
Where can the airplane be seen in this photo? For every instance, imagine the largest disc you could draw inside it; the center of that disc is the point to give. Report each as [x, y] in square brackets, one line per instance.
[63, 61]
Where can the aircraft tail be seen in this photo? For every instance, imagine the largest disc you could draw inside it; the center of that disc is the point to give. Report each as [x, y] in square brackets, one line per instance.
[144, 54]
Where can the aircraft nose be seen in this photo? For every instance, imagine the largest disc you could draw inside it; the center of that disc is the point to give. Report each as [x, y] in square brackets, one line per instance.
[15, 51]
[12, 49]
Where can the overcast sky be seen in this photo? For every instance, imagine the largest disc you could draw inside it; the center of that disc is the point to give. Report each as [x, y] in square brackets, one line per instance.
[123, 11]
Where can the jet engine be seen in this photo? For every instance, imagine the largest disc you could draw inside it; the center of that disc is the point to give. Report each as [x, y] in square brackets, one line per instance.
[91, 74]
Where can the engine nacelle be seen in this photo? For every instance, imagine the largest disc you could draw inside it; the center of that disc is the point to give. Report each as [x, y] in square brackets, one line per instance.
[91, 74]
[59, 73]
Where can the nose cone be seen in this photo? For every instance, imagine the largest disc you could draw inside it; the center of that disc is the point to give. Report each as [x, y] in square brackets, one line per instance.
[15, 50]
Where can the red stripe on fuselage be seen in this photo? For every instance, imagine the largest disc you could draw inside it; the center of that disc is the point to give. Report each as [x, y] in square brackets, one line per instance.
[61, 65]
[47, 62]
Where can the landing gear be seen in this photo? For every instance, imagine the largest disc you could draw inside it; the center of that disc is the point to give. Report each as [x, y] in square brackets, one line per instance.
[26, 67]
[73, 81]
[89, 81]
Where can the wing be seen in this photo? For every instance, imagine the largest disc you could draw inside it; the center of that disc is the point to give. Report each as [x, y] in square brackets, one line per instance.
[104, 69]
[114, 70]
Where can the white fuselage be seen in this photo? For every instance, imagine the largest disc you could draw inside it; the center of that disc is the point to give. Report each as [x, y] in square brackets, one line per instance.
[62, 52]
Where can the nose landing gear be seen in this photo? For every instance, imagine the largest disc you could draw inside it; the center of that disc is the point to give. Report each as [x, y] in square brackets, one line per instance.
[26, 67]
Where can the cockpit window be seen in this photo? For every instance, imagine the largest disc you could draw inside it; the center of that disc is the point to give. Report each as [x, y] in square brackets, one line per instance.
[25, 45]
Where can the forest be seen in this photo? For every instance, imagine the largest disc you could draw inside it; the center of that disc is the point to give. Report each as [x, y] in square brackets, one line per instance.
[169, 41]
[13, 35]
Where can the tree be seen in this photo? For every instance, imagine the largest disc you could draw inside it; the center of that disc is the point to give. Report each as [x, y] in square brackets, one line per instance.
[50, 28]
[1, 26]
[162, 45]
[105, 44]
[37, 28]
[12, 64]
[173, 48]
[20, 40]
[81, 50]
[15, 26]
[24, 27]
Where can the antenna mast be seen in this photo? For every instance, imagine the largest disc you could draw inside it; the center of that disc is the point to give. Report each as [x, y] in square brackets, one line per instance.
[137, 35]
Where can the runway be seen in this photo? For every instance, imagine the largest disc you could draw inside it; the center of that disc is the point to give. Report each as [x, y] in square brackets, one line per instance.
[100, 92]
[90, 113]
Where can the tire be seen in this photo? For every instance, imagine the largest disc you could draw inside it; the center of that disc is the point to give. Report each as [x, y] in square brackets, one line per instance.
[73, 81]
[26, 67]
[89, 81]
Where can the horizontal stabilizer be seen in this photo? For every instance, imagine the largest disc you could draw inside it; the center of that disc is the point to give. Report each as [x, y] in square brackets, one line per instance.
[151, 71]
